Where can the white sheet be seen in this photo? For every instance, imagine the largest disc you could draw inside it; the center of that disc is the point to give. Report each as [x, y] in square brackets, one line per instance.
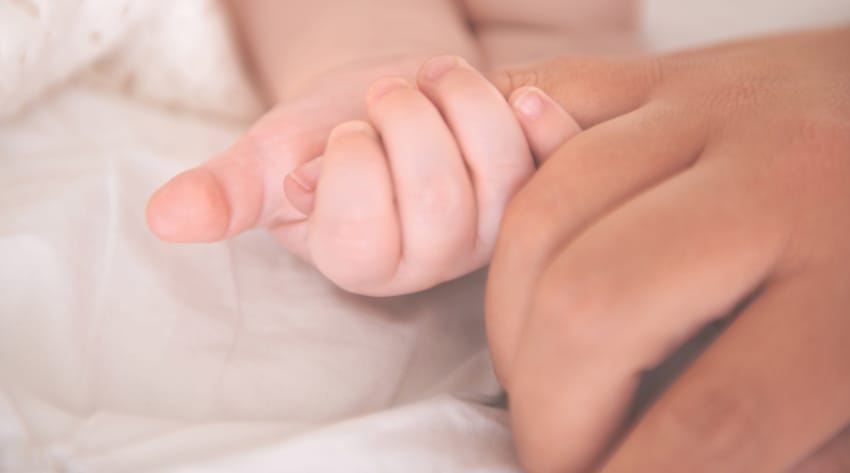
[122, 354]
[118, 352]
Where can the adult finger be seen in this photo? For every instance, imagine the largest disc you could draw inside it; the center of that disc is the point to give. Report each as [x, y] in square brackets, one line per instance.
[546, 124]
[589, 176]
[621, 297]
[771, 389]
[592, 90]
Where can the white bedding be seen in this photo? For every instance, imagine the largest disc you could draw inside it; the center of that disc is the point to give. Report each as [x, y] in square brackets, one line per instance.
[119, 353]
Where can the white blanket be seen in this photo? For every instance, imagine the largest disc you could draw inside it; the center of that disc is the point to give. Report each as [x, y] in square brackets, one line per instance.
[119, 353]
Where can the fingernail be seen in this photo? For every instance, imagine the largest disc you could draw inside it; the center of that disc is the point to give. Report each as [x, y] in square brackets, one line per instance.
[384, 86]
[353, 126]
[528, 101]
[306, 175]
[439, 66]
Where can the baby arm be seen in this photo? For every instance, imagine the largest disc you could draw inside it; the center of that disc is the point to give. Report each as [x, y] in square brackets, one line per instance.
[293, 42]
[512, 32]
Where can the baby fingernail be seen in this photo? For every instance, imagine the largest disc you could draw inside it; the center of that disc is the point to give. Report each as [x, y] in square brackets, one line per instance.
[437, 67]
[353, 126]
[300, 186]
[306, 175]
[528, 102]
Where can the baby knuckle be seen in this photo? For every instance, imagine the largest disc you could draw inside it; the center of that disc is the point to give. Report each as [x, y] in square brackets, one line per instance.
[252, 148]
[438, 198]
[347, 235]
[464, 84]
[400, 100]
[351, 256]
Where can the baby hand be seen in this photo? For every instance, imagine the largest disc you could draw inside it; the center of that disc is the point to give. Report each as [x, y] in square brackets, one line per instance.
[414, 197]
[240, 189]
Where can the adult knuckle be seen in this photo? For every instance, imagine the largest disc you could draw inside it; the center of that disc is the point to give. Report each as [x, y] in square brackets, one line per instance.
[586, 316]
[656, 69]
[569, 69]
[815, 153]
[581, 65]
[548, 76]
[824, 136]
[733, 92]
[719, 427]
[523, 77]
[746, 94]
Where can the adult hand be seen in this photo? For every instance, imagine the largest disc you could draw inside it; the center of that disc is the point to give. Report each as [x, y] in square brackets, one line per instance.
[707, 183]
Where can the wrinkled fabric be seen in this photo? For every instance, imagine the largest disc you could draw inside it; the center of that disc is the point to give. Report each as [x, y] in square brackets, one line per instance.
[119, 352]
